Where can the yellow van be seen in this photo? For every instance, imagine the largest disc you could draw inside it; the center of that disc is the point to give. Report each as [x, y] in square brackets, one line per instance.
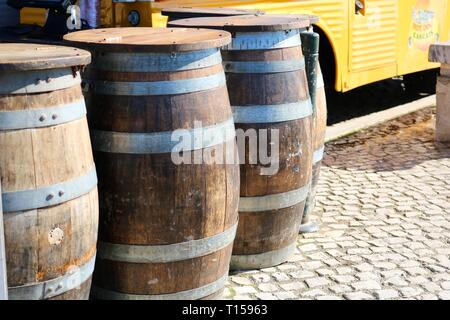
[362, 41]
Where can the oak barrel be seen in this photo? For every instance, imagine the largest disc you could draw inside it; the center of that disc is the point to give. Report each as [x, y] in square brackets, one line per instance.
[47, 172]
[166, 229]
[268, 90]
[319, 128]
[176, 13]
[3, 280]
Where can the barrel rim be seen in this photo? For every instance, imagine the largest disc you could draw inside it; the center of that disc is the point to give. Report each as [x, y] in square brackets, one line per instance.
[94, 39]
[219, 11]
[248, 23]
[26, 57]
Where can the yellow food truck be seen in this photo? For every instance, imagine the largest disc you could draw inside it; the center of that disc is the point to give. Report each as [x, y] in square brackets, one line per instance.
[362, 41]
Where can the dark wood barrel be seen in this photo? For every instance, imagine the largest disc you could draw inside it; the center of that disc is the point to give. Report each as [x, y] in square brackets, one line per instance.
[49, 182]
[177, 13]
[166, 228]
[319, 131]
[269, 95]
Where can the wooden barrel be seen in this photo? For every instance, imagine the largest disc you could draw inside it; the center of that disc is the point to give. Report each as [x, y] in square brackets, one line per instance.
[269, 94]
[47, 172]
[177, 13]
[3, 280]
[166, 229]
[318, 132]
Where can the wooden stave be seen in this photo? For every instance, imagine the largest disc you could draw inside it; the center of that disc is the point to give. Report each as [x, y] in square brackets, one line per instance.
[56, 216]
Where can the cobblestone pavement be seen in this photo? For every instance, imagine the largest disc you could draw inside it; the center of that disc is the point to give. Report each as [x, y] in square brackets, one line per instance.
[384, 199]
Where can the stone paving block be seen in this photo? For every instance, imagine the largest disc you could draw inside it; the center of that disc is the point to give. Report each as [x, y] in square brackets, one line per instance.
[363, 276]
[444, 295]
[446, 285]
[414, 271]
[329, 298]
[317, 282]
[293, 286]
[265, 296]
[429, 296]
[261, 277]
[409, 292]
[384, 265]
[268, 287]
[340, 288]
[286, 295]
[313, 293]
[241, 280]
[396, 281]
[302, 274]
[343, 279]
[358, 296]
[366, 285]
[386, 294]
[244, 290]
[280, 276]
[431, 286]
[344, 270]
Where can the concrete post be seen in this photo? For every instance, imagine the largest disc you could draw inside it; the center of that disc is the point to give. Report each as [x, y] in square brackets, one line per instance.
[441, 53]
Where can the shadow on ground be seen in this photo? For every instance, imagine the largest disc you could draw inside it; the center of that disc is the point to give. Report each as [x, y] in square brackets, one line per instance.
[379, 96]
[399, 144]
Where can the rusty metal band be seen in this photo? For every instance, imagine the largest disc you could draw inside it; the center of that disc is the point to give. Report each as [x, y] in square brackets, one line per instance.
[155, 88]
[49, 196]
[193, 294]
[55, 287]
[265, 40]
[37, 81]
[318, 155]
[163, 142]
[272, 113]
[264, 66]
[166, 253]
[38, 118]
[157, 62]
[262, 260]
[274, 201]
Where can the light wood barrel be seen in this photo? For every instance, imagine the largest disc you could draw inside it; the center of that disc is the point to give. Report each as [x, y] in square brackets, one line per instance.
[177, 13]
[265, 68]
[319, 131]
[166, 230]
[49, 182]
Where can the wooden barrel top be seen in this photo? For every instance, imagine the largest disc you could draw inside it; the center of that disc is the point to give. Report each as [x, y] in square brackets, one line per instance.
[31, 56]
[149, 39]
[186, 11]
[248, 23]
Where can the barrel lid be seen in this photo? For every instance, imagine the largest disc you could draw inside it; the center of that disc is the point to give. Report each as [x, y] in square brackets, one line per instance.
[149, 39]
[32, 56]
[218, 11]
[248, 23]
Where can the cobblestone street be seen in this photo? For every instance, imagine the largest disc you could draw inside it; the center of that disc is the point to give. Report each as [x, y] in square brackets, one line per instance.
[384, 202]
